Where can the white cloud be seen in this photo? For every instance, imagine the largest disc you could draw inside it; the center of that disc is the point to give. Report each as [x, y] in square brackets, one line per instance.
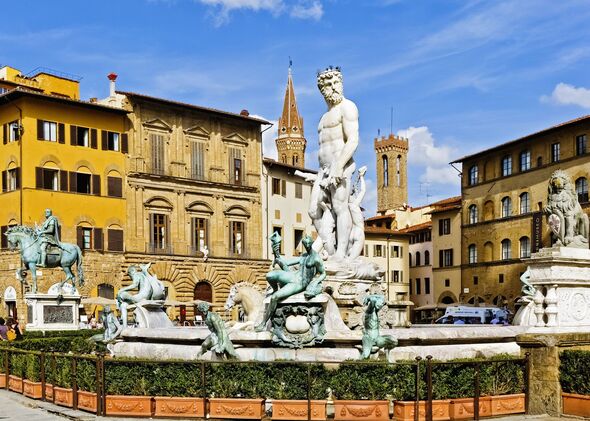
[302, 9]
[565, 94]
[440, 175]
[370, 200]
[423, 150]
[308, 10]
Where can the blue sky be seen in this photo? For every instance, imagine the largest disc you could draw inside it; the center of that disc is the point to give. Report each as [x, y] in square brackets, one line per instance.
[461, 76]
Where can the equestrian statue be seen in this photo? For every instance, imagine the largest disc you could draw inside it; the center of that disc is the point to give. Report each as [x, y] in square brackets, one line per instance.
[41, 247]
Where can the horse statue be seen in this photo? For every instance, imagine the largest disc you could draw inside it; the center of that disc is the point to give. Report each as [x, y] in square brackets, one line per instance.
[250, 297]
[27, 240]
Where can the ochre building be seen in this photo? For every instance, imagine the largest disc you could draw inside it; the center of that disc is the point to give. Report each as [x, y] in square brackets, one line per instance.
[504, 190]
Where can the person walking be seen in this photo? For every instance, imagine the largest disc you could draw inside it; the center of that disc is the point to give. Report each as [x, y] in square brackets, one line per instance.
[3, 330]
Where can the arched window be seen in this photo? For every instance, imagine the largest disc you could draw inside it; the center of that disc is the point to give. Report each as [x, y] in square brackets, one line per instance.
[106, 291]
[525, 247]
[506, 249]
[410, 257]
[284, 158]
[582, 189]
[385, 170]
[427, 258]
[472, 252]
[418, 258]
[473, 214]
[473, 175]
[204, 292]
[398, 169]
[525, 203]
[499, 301]
[295, 160]
[506, 207]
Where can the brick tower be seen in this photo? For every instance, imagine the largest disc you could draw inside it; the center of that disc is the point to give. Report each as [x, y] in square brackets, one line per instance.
[392, 172]
[291, 141]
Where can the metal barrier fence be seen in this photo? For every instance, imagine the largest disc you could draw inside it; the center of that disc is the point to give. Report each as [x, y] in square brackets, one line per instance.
[421, 379]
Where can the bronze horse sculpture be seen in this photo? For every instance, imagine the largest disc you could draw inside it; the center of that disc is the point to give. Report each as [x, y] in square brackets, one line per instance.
[27, 241]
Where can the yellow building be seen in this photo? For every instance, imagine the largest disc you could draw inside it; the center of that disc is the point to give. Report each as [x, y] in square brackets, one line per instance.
[68, 155]
[504, 190]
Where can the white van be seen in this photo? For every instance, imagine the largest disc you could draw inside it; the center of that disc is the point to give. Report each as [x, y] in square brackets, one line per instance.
[472, 315]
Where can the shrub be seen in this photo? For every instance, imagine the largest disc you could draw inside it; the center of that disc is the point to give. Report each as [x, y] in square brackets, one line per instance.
[573, 372]
[86, 374]
[234, 380]
[289, 380]
[63, 372]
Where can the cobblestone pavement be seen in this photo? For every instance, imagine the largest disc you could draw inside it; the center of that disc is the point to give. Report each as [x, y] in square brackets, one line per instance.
[19, 408]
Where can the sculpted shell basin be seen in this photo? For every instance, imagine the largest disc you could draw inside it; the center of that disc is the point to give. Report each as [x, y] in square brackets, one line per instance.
[297, 324]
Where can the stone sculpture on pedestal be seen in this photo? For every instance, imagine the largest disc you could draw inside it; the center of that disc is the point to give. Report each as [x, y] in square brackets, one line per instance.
[568, 222]
[218, 341]
[371, 337]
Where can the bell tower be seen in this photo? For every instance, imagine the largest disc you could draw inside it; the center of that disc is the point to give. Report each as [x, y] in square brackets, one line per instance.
[291, 142]
[392, 172]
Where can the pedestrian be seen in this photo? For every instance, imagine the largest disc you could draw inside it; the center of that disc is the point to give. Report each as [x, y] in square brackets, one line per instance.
[16, 329]
[3, 330]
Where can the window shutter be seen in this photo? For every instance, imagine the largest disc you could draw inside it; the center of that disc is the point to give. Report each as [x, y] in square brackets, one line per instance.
[93, 139]
[39, 177]
[440, 258]
[114, 187]
[61, 133]
[104, 141]
[4, 178]
[96, 185]
[40, 130]
[124, 143]
[3, 239]
[115, 240]
[284, 188]
[73, 181]
[440, 227]
[98, 243]
[152, 240]
[193, 234]
[63, 180]
[451, 257]
[5, 134]
[73, 139]
[80, 237]
[18, 171]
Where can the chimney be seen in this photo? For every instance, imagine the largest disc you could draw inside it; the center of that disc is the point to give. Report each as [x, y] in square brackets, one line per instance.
[245, 113]
[112, 77]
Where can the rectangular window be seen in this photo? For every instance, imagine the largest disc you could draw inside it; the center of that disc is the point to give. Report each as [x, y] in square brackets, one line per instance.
[501, 278]
[47, 179]
[11, 132]
[555, 152]
[444, 226]
[114, 186]
[525, 161]
[506, 166]
[447, 283]
[366, 251]
[198, 160]
[297, 237]
[447, 257]
[426, 285]
[581, 144]
[298, 190]
[115, 239]
[83, 183]
[80, 136]
[157, 147]
[475, 280]
[200, 238]
[111, 141]
[236, 165]
[395, 251]
[411, 292]
[159, 234]
[47, 130]
[237, 237]
[86, 238]
[276, 186]
[418, 287]
[11, 179]
[395, 276]
[378, 250]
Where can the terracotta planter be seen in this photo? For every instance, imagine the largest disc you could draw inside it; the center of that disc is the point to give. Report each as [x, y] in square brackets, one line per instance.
[361, 410]
[32, 389]
[578, 405]
[297, 410]
[15, 384]
[463, 408]
[134, 406]
[63, 396]
[48, 392]
[87, 401]
[404, 410]
[179, 407]
[508, 404]
[2, 380]
[236, 409]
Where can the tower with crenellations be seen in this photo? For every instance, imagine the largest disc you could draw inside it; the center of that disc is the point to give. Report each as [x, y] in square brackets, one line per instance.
[392, 172]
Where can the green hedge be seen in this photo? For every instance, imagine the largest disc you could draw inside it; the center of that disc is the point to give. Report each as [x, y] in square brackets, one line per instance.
[76, 344]
[86, 374]
[574, 369]
[84, 333]
[145, 378]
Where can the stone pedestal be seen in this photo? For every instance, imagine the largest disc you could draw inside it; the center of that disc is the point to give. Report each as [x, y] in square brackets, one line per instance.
[52, 312]
[561, 278]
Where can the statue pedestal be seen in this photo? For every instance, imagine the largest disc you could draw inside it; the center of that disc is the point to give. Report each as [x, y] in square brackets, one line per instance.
[151, 314]
[45, 312]
[561, 278]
